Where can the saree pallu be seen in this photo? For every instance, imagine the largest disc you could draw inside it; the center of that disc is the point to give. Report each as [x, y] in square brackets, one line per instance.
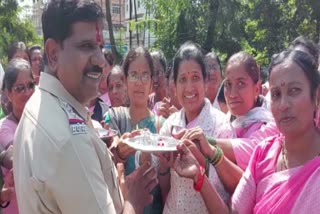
[264, 190]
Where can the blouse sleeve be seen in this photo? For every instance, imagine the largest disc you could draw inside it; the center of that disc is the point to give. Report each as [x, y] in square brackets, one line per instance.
[244, 147]
[7, 131]
[166, 127]
[244, 197]
[111, 118]
[222, 127]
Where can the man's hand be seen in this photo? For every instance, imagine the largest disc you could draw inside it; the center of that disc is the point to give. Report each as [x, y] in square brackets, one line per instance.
[139, 185]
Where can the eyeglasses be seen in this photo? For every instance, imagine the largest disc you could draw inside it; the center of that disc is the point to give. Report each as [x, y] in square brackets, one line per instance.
[133, 77]
[212, 67]
[22, 88]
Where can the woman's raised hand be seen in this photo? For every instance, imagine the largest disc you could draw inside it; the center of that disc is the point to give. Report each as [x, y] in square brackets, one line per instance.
[164, 108]
[186, 164]
[197, 136]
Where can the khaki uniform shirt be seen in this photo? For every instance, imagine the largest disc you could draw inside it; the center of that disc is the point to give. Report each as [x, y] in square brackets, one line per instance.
[60, 165]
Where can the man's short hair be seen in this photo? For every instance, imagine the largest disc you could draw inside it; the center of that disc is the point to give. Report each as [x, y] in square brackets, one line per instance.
[33, 48]
[59, 16]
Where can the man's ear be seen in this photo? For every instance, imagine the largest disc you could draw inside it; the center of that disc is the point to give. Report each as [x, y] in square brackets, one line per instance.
[51, 48]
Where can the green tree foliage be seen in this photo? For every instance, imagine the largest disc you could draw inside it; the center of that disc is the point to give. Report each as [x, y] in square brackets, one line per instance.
[271, 25]
[260, 27]
[207, 22]
[13, 29]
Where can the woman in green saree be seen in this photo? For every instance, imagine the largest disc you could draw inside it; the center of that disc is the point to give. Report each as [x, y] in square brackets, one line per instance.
[138, 70]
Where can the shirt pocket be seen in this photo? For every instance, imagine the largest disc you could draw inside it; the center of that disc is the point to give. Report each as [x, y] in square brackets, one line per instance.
[44, 203]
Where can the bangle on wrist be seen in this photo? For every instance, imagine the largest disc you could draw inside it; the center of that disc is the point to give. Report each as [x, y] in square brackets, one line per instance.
[217, 158]
[167, 172]
[212, 141]
[220, 161]
[199, 183]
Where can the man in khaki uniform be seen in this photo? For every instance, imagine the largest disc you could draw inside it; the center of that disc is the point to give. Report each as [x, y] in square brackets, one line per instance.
[60, 165]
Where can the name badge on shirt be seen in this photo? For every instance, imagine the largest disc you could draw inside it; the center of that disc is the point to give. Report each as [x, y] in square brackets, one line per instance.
[77, 126]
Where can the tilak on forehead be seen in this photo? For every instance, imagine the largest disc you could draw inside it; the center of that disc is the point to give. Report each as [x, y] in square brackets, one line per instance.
[282, 83]
[98, 35]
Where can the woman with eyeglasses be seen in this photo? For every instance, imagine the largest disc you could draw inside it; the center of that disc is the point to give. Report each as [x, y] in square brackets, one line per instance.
[18, 85]
[138, 70]
[16, 50]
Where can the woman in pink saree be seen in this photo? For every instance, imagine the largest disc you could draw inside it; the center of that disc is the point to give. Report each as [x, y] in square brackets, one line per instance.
[283, 175]
[251, 122]
[284, 172]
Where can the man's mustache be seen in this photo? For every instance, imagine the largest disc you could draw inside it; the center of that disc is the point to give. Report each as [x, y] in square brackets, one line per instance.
[94, 68]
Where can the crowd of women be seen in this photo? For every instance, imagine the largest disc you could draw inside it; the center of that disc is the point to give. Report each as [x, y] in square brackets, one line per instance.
[245, 146]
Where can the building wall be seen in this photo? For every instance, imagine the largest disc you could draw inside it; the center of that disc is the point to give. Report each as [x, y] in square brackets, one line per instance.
[27, 8]
[120, 11]
[32, 9]
[36, 16]
[146, 38]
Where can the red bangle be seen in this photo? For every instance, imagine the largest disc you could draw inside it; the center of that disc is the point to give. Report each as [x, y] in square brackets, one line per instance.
[198, 185]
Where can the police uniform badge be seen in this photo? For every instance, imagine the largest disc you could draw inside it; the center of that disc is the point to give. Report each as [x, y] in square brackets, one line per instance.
[76, 123]
[77, 126]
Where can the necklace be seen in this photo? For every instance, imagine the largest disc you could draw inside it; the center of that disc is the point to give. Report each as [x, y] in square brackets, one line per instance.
[284, 155]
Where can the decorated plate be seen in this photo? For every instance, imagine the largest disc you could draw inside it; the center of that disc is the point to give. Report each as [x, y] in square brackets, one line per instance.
[105, 134]
[152, 143]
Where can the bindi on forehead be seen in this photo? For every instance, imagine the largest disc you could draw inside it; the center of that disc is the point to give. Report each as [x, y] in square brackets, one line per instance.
[98, 33]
